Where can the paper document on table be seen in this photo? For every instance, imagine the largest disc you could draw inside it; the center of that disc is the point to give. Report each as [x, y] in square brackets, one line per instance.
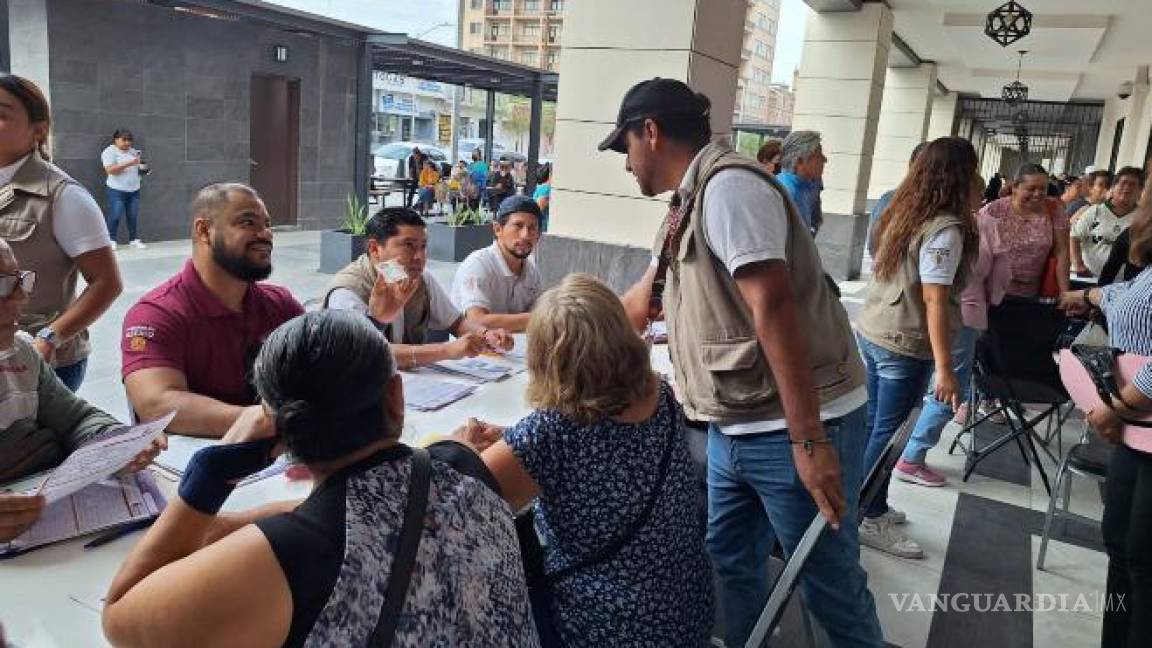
[100, 459]
[426, 394]
[478, 368]
[96, 507]
[181, 448]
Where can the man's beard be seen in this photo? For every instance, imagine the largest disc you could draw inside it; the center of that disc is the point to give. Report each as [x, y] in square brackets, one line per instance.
[237, 265]
[516, 253]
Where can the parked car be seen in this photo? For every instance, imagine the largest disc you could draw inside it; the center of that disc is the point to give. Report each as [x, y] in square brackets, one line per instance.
[465, 147]
[390, 161]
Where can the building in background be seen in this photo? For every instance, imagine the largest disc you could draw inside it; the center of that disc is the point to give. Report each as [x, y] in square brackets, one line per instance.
[520, 31]
[780, 101]
[754, 87]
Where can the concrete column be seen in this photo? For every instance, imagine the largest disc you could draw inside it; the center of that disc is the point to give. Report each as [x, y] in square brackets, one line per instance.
[603, 53]
[28, 41]
[904, 118]
[1114, 109]
[839, 89]
[838, 92]
[943, 115]
[1136, 125]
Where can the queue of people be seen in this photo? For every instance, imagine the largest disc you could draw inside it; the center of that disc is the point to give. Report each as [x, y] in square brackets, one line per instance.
[419, 546]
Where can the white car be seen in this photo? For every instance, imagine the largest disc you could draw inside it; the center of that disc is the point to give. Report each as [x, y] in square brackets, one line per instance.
[390, 161]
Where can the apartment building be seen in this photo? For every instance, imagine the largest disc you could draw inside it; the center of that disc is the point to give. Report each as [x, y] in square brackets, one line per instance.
[521, 31]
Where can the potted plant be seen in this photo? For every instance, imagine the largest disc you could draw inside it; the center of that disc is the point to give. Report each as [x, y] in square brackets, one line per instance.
[462, 233]
[341, 246]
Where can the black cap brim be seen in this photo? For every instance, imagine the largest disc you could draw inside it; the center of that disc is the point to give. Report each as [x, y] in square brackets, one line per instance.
[614, 141]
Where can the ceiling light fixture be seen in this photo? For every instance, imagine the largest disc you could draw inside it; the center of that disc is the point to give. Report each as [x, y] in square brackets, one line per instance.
[1016, 92]
[1008, 23]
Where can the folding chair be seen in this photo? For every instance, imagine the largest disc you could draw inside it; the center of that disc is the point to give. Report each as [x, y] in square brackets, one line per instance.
[786, 583]
[1089, 459]
[1014, 365]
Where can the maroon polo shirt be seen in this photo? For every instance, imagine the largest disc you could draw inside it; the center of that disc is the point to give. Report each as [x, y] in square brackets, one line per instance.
[182, 325]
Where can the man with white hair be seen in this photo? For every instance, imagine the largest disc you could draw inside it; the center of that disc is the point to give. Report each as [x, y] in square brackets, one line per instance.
[802, 158]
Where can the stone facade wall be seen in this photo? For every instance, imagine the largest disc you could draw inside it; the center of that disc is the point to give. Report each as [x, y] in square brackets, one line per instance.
[181, 84]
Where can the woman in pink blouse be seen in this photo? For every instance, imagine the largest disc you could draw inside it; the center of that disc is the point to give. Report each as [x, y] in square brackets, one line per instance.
[1029, 227]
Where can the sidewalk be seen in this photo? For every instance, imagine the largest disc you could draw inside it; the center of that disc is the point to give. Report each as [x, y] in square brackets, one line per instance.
[295, 260]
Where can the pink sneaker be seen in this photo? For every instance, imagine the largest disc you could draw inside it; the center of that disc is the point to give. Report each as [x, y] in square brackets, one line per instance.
[914, 473]
[961, 415]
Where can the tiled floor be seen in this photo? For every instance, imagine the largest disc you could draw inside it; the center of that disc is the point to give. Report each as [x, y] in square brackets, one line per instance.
[999, 540]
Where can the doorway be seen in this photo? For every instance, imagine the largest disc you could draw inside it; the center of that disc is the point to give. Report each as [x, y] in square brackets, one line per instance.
[274, 132]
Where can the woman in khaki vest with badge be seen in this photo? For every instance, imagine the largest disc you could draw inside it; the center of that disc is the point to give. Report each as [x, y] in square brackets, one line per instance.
[55, 227]
[927, 238]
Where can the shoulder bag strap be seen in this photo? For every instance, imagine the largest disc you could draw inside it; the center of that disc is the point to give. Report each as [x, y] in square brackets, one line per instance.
[405, 559]
[612, 548]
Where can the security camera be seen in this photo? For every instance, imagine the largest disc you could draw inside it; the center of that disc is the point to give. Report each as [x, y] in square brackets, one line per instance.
[1125, 90]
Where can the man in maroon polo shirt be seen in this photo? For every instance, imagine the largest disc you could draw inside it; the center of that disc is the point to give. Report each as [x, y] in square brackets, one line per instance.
[189, 344]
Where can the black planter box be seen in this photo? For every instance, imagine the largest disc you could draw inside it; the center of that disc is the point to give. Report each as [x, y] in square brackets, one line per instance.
[446, 243]
[338, 248]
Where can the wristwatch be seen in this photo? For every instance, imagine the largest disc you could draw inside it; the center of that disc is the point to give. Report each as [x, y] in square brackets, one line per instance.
[48, 335]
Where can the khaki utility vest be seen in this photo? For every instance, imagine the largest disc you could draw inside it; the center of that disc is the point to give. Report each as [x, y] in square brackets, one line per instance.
[720, 368]
[359, 277]
[26, 216]
[894, 315]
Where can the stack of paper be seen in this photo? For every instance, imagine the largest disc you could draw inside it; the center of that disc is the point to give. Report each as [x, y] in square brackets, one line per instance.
[95, 507]
[427, 394]
[476, 368]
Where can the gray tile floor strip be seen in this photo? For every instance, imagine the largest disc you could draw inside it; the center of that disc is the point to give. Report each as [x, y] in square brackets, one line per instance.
[989, 553]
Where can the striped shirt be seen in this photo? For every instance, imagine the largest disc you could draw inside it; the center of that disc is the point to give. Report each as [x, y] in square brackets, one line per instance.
[1128, 308]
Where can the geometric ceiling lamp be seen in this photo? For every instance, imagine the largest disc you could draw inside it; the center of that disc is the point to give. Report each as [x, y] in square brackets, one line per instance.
[1008, 23]
[1016, 92]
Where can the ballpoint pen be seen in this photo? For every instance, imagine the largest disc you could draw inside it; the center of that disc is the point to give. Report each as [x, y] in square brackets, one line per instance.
[120, 532]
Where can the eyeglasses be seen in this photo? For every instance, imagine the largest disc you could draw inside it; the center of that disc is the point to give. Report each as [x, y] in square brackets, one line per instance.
[25, 279]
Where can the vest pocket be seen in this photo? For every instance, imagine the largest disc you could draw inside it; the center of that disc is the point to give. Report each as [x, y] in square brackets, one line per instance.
[17, 227]
[734, 368]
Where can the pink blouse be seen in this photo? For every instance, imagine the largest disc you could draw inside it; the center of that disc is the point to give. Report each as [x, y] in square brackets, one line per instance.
[1024, 240]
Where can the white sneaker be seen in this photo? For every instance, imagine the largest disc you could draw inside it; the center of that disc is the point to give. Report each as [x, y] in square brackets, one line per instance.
[136, 243]
[894, 516]
[879, 534]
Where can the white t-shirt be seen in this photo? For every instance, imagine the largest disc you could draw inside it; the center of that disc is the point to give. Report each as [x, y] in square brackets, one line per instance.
[484, 280]
[745, 222]
[77, 222]
[128, 179]
[442, 313]
[940, 257]
[1097, 230]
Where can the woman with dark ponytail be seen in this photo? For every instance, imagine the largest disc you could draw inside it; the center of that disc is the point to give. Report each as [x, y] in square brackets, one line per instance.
[323, 572]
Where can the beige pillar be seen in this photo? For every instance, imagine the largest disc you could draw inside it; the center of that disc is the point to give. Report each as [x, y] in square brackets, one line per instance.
[943, 115]
[607, 47]
[904, 117]
[1114, 110]
[28, 41]
[1136, 123]
[838, 92]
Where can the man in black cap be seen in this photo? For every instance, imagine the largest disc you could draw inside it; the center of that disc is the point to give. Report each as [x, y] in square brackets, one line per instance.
[763, 352]
[498, 285]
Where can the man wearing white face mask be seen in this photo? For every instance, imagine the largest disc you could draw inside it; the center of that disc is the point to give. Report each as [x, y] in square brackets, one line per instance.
[41, 420]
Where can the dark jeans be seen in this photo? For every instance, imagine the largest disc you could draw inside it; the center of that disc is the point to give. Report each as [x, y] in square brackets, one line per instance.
[1127, 529]
[73, 375]
[120, 204]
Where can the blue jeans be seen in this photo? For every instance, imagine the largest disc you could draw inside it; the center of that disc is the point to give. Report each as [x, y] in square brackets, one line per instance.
[895, 383]
[754, 497]
[935, 415]
[121, 203]
[73, 375]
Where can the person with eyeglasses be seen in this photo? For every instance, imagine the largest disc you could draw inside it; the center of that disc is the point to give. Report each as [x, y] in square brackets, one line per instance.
[56, 227]
[41, 420]
[189, 344]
